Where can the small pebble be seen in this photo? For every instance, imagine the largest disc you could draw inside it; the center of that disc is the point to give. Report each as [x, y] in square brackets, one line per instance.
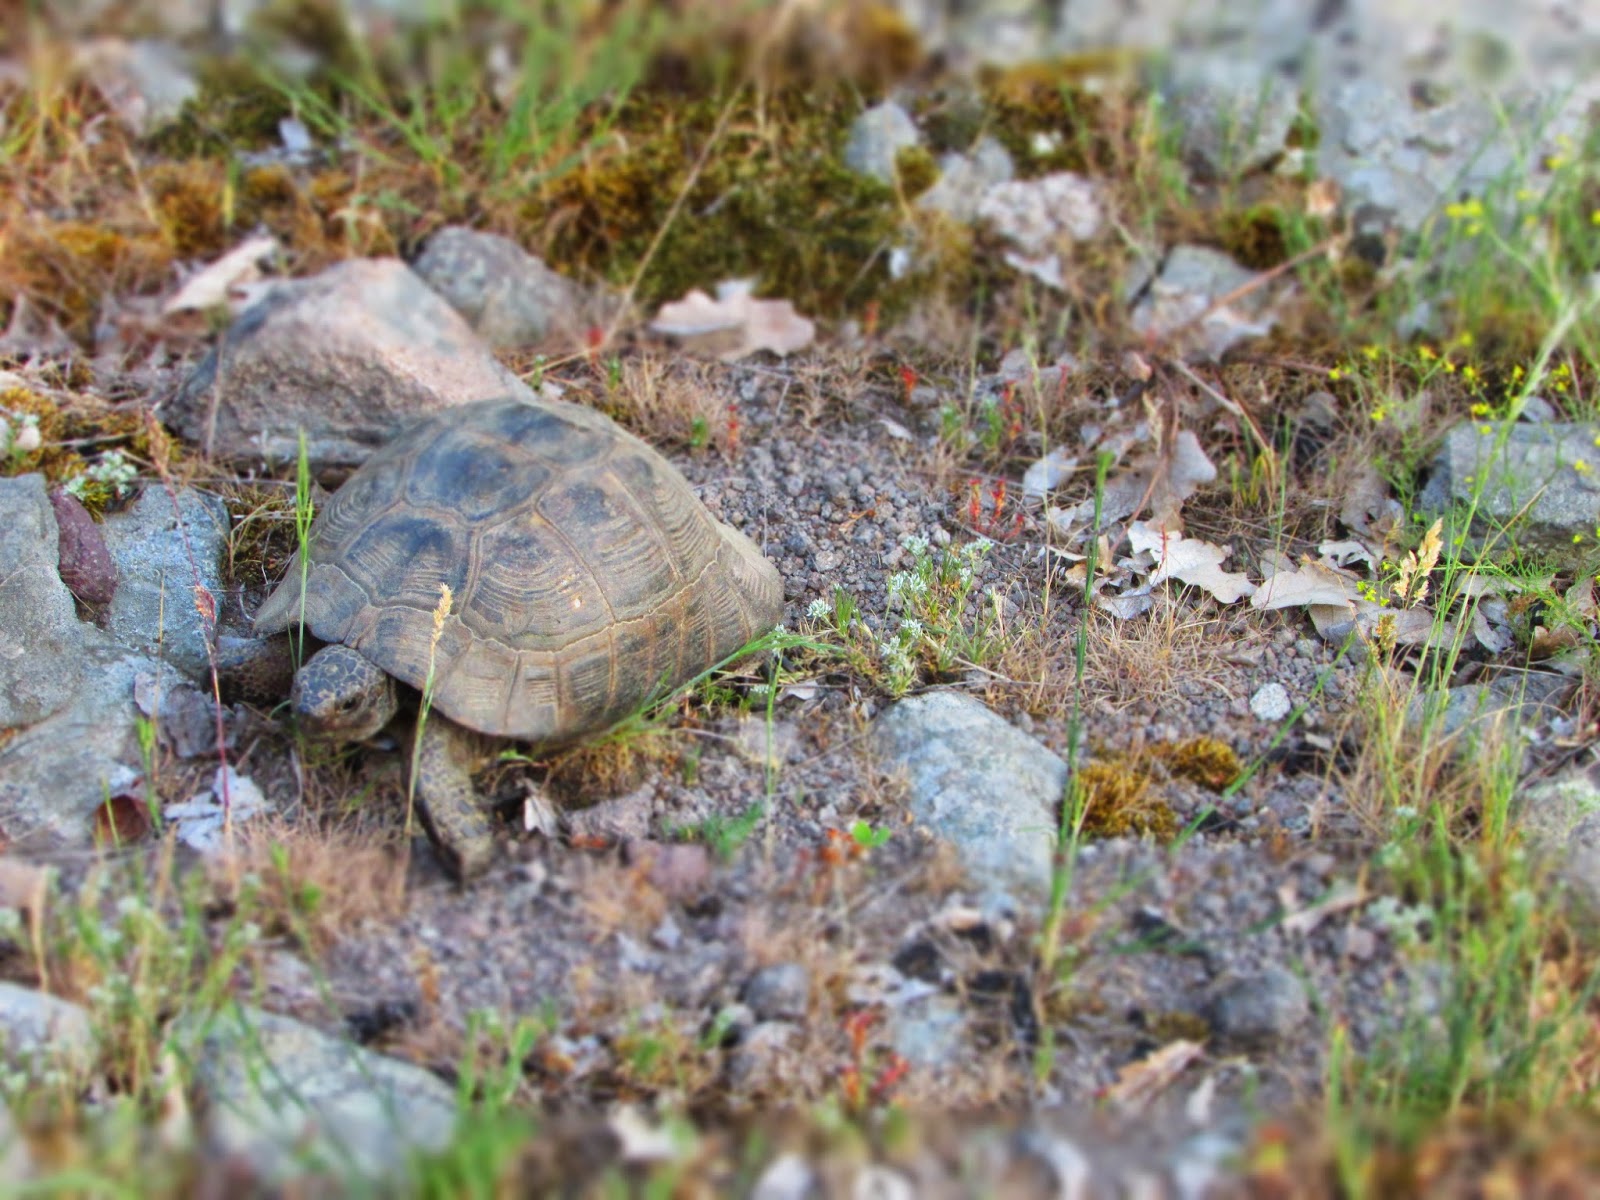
[1270, 703]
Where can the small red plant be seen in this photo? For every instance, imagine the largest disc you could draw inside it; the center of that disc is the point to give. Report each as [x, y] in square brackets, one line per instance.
[908, 380]
[991, 520]
[734, 426]
[868, 1079]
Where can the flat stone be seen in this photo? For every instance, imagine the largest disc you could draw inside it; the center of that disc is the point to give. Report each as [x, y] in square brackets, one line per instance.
[964, 180]
[158, 564]
[1190, 282]
[1538, 489]
[289, 1101]
[350, 356]
[41, 638]
[876, 137]
[509, 297]
[990, 790]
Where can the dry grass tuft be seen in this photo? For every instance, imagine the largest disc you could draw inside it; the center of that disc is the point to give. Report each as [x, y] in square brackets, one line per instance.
[315, 884]
[1150, 660]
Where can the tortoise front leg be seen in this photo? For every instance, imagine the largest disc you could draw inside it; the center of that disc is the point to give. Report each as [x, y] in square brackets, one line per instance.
[453, 814]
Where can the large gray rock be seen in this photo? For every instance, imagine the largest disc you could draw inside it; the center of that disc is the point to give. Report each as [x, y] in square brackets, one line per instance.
[290, 1101]
[509, 297]
[41, 638]
[349, 356]
[54, 775]
[158, 563]
[1234, 115]
[68, 688]
[1538, 486]
[876, 139]
[989, 789]
[41, 1034]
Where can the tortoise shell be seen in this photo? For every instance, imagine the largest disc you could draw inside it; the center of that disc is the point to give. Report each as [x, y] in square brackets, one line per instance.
[586, 575]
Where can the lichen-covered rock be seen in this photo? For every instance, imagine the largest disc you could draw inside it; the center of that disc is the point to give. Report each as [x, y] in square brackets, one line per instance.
[349, 356]
[159, 562]
[1533, 486]
[986, 787]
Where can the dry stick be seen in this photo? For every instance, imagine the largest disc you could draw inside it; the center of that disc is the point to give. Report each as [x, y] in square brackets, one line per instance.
[1234, 407]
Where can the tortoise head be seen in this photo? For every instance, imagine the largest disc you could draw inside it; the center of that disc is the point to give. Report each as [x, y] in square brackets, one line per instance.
[340, 695]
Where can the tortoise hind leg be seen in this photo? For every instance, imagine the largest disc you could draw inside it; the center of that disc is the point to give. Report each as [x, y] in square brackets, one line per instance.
[453, 814]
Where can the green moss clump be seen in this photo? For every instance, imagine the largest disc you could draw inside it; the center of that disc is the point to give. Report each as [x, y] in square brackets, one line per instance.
[774, 200]
[1046, 98]
[65, 267]
[188, 200]
[1255, 236]
[1117, 803]
[915, 170]
[1203, 760]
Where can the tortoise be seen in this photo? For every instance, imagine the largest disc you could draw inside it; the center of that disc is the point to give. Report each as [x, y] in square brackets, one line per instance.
[584, 576]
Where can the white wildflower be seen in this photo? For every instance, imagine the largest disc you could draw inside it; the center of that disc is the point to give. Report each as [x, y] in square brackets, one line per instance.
[977, 548]
[916, 543]
[911, 627]
[819, 610]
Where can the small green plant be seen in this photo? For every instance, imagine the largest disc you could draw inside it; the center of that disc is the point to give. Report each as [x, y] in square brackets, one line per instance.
[868, 837]
[941, 624]
[725, 835]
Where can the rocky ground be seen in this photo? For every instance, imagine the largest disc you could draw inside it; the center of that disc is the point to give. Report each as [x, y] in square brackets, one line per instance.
[1136, 755]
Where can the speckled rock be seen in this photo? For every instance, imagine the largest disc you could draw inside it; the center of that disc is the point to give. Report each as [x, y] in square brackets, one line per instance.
[990, 790]
[349, 356]
[509, 297]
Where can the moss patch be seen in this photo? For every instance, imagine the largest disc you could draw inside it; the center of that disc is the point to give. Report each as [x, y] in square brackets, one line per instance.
[774, 201]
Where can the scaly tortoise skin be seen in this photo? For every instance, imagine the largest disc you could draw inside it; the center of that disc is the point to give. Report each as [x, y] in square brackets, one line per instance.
[586, 578]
